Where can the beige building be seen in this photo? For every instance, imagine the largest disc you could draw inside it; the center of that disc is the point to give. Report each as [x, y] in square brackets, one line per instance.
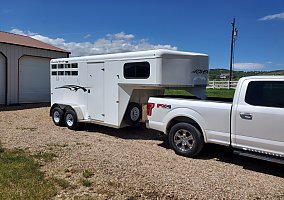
[24, 69]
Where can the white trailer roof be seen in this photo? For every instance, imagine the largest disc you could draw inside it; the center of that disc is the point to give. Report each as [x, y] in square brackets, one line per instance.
[133, 55]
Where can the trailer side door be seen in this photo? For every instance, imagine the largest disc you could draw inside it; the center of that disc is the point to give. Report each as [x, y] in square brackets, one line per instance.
[96, 91]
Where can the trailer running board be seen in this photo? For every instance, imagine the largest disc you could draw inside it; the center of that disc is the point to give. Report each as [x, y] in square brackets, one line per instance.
[260, 156]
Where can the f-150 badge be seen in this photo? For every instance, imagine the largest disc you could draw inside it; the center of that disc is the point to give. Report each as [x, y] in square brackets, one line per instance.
[166, 106]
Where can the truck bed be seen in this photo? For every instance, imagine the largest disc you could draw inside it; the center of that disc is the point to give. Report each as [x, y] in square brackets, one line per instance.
[217, 99]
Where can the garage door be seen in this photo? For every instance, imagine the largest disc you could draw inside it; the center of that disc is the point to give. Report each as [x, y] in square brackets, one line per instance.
[2, 79]
[34, 80]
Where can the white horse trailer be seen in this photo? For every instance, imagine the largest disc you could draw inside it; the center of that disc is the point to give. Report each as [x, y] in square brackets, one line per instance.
[111, 89]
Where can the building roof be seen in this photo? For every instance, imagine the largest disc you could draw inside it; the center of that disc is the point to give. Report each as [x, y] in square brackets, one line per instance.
[11, 38]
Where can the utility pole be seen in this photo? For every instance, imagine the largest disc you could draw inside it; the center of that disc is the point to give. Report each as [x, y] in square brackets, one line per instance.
[234, 33]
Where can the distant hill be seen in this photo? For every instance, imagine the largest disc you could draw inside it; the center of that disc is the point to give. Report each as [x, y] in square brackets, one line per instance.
[224, 74]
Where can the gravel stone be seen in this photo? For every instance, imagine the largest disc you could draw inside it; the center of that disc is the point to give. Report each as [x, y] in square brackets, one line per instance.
[135, 162]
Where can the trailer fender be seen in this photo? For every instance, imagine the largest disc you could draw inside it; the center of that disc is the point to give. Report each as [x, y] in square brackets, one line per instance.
[64, 107]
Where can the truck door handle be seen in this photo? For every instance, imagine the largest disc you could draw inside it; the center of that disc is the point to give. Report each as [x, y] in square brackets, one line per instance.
[247, 116]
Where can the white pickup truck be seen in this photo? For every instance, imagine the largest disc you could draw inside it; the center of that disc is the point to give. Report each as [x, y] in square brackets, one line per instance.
[253, 123]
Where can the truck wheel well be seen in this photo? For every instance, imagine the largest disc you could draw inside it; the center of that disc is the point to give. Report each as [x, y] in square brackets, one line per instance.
[183, 119]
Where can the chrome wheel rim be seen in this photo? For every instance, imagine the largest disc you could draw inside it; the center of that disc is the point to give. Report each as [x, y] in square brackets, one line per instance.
[69, 120]
[134, 114]
[56, 116]
[183, 140]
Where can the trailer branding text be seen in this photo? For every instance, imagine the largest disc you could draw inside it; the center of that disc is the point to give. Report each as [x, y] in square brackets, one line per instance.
[200, 71]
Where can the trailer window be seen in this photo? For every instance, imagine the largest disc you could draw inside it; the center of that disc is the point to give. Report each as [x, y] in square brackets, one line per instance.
[136, 70]
[67, 66]
[60, 66]
[53, 66]
[54, 73]
[265, 93]
[67, 73]
[74, 65]
[74, 73]
[60, 73]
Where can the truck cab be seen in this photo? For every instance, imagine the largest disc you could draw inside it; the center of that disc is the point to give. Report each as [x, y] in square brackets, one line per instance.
[258, 114]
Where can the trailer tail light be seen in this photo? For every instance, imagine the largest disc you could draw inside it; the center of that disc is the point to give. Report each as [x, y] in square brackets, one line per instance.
[150, 107]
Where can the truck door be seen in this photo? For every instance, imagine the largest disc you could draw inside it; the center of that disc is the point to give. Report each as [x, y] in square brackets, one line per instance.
[260, 117]
[96, 91]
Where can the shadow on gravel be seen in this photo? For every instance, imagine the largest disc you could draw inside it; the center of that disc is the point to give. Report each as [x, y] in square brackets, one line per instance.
[225, 154]
[23, 106]
[210, 151]
[138, 132]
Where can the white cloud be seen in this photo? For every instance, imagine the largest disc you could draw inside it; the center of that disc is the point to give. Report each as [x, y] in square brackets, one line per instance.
[20, 32]
[249, 66]
[121, 36]
[279, 16]
[87, 36]
[112, 43]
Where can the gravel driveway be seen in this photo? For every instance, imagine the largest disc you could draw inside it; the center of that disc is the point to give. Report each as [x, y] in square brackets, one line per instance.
[134, 162]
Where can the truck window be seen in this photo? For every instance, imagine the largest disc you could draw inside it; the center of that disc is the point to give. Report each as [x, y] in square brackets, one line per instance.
[136, 70]
[265, 93]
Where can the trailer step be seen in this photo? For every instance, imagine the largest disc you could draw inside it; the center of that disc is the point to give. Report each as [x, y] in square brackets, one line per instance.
[260, 156]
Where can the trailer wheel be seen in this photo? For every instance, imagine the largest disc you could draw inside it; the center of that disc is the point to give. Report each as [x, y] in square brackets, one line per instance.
[133, 113]
[185, 139]
[71, 120]
[57, 116]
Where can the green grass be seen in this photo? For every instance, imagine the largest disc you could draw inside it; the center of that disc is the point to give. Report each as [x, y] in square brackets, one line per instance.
[45, 156]
[87, 173]
[20, 177]
[61, 182]
[86, 182]
[223, 93]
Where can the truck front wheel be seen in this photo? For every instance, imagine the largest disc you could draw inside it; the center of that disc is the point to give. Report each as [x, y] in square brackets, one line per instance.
[185, 139]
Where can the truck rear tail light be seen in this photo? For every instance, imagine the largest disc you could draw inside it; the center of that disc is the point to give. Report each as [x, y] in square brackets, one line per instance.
[150, 107]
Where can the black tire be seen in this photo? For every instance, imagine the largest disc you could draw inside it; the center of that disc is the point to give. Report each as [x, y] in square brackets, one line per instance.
[71, 120]
[185, 139]
[57, 116]
[133, 113]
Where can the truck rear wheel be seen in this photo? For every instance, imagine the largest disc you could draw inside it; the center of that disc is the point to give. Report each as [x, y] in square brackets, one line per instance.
[57, 116]
[71, 120]
[185, 139]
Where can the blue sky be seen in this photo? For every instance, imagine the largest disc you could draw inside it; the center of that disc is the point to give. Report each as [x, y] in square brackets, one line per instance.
[96, 27]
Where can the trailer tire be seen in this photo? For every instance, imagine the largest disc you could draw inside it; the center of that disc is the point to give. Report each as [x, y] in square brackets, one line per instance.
[57, 116]
[133, 113]
[185, 139]
[71, 120]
